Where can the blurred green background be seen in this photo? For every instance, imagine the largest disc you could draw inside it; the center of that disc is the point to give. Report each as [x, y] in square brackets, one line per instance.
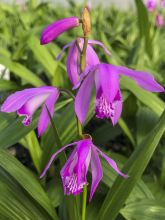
[135, 41]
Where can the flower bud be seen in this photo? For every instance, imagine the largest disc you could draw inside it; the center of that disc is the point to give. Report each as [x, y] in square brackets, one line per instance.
[86, 21]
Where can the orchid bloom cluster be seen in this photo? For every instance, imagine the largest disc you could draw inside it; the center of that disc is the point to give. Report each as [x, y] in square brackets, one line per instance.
[85, 71]
[155, 7]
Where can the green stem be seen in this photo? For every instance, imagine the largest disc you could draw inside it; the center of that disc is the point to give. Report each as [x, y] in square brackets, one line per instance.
[82, 67]
[79, 129]
[67, 91]
[57, 138]
[84, 203]
[83, 54]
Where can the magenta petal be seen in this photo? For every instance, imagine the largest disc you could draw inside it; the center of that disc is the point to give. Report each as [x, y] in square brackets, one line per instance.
[53, 30]
[84, 157]
[18, 99]
[159, 20]
[63, 49]
[53, 158]
[151, 5]
[143, 79]
[112, 163]
[44, 117]
[73, 64]
[83, 96]
[91, 57]
[117, 104]
[33, 104]
[101, 45]
[107, 79]
[97, 172]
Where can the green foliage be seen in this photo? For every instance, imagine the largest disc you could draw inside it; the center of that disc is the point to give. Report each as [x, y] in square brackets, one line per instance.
[135, 42]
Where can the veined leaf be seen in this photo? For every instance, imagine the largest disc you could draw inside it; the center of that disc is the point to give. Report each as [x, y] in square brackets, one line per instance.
[144, 26]
[22, 196]
[43, 55]
[147, 98]
[134, 167]
[12, 127]
[6, 85]
[144, 209]
[30, 141]
[21, 71]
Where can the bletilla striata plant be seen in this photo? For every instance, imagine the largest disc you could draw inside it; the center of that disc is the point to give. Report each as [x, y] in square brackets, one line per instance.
[84, 70]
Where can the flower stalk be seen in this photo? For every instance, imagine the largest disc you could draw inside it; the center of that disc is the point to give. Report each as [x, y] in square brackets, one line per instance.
[86, 26]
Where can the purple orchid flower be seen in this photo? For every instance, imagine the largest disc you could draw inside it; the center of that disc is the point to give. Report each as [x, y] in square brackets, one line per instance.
[159, 21]
[27, 101]
[53, 30]
[151, 5]
[75, 170]
[73, 59]
[162, 3]
[108, 102]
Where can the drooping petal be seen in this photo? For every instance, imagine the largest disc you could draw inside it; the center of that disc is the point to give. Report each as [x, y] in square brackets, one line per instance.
[83, 96]
[53, 30]
[69, 176]
[66, 168]
[107, 79]
[159, 20]
[84, 157]
[18, 99]
[151, 5]
[117, 105]
[74, 172]
[91, 58]
[96, 170]
[111, 162]
[63, 49]
[162, 3]
[54, 156]
[73, 64]
[44, 117]
[31, 106]
[101, 45]
[143, 79]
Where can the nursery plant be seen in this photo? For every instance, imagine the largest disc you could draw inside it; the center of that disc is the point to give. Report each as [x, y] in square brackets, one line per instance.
[82, 115]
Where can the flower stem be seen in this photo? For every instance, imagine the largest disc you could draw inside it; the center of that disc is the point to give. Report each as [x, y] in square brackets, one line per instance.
[82, 67]
[83, 54]
[84, 203]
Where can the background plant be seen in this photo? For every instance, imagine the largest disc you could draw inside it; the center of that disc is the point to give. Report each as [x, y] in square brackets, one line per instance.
[133, 42]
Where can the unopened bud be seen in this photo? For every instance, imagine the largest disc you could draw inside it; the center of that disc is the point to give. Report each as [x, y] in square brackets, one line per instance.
[86, 21]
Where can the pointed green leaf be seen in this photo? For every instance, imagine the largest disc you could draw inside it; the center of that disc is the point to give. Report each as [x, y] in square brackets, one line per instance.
[134, 167]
